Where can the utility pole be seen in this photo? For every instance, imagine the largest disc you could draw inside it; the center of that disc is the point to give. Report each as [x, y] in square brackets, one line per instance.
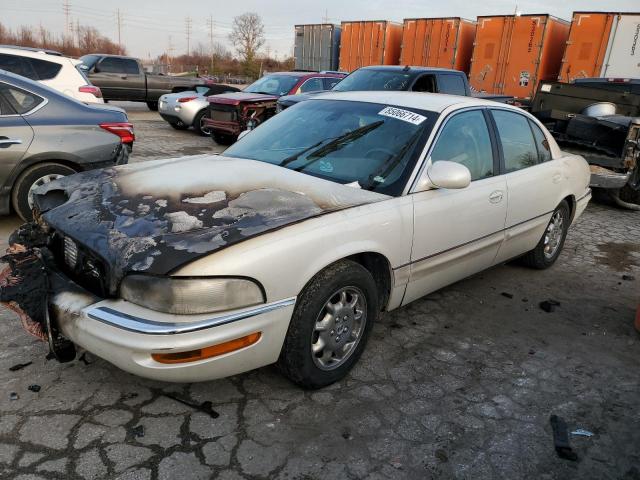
[119, 22]
[187, 25]
[77, 33]
[210, 25]
[326, 16]
[169, 55]
[66, 8]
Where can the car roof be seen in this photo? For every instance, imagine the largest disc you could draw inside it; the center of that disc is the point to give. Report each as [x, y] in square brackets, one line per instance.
[36, 53]
[409, 69]
[434, 102]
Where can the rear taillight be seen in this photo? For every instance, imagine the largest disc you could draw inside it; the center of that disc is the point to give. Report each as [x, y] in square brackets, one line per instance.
[92, 89]
[124, 130]
[186, 99]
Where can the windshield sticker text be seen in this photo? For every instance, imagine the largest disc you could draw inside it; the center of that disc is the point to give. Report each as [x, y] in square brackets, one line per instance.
[404, 115]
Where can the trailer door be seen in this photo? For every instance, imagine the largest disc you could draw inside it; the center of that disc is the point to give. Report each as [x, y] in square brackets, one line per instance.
[624, 48]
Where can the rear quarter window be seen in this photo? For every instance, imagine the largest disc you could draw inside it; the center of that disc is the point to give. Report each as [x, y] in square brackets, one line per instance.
[45, 70]
[21, 101]
[18, 65]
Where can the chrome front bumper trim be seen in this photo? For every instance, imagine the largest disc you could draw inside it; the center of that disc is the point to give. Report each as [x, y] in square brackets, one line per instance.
[135, 324]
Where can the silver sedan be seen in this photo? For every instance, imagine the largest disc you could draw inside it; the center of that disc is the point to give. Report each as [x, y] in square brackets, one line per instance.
[187, 109]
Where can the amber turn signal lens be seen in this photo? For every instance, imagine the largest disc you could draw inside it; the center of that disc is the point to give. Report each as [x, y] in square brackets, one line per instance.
[207, 352]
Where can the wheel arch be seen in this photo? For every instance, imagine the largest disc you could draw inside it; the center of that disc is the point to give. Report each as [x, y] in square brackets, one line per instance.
[571, 201]
[24, 167]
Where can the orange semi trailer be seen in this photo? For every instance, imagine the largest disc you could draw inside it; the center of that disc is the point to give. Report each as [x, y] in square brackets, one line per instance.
[374, 42]
[438, 42]
[512, 53]
[602, 44]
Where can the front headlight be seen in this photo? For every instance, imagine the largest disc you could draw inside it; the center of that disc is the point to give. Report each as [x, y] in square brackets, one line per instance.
[187, 296]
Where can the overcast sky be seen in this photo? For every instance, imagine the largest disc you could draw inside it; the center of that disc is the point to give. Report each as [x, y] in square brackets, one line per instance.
[152, 27]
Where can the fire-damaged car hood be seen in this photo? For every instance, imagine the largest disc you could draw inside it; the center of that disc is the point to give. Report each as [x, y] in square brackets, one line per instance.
[156, 216]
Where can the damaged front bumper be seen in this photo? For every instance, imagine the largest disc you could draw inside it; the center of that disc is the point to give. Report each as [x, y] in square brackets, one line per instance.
[127, 336]
[57, 310]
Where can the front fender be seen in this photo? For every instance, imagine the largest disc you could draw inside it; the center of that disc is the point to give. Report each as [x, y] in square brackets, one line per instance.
[285, 260]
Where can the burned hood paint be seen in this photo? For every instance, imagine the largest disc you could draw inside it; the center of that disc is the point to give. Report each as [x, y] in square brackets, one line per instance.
[154, 217]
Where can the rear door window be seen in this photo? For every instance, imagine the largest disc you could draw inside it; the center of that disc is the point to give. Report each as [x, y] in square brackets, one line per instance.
[451, 84]
[18, 65]
[20, 100]
[518, 145]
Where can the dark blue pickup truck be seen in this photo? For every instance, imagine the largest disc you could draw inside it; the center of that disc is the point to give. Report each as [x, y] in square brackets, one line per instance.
[414, 79]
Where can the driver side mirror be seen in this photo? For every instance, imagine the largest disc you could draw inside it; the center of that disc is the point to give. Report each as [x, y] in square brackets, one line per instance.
[444, 174]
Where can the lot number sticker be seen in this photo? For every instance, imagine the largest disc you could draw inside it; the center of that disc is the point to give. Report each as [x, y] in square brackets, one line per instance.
[404, 115]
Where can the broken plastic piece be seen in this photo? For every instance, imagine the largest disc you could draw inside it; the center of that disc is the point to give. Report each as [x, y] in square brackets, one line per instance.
[507, 295]
[138, 431]
[13, 396]
[19, 366]
[549, 305]
[205, 407]
[34, 388]
[582, 432]
[561, 439]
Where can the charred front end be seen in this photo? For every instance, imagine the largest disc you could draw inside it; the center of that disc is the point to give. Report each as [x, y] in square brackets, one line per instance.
[229, 115]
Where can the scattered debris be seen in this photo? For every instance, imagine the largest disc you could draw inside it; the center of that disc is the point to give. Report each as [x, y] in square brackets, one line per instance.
[34, 388]
[346, 435]
[138, 431]
[532, 351]
[205, 407]
[507, 295]
[561, 439]
[628, 278]
[441, 455]
[582, 432]
[13, 396]
[129, 396]
[549, 305]
[19, 366]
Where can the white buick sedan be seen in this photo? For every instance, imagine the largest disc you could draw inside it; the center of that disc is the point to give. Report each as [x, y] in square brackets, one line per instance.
[286, 248]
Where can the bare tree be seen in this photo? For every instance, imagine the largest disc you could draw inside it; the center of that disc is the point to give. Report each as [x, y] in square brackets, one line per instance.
[247, 36]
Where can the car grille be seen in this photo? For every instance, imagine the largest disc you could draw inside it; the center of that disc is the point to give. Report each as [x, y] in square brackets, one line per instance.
[80, 265]
[222, 113]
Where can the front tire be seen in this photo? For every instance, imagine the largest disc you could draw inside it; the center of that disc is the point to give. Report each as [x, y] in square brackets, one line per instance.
[29, 180]
[222, 139]
[330, 325]
[199, 126]
[153, 106]
[550, 245]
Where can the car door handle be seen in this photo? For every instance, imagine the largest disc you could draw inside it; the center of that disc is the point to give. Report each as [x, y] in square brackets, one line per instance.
[496, 197]
[7, 142]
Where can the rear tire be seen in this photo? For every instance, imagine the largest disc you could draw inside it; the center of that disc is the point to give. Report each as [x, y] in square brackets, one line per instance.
[37, 174]
[328, 331]
[198, 124]
[153, 106]
[550, 245]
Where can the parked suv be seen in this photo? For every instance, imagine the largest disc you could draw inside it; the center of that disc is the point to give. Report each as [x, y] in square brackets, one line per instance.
[52, 69]
[232, 113]
[45, 135]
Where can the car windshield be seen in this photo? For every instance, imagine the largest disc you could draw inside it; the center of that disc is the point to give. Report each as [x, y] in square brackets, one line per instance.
[273, 85]
[367, 79]
[365, 145]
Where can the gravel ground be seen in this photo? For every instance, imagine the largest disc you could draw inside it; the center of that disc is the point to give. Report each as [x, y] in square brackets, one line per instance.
[460, 384]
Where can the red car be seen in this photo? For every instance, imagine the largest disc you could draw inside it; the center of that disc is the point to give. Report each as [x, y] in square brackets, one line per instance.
[229, 113]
